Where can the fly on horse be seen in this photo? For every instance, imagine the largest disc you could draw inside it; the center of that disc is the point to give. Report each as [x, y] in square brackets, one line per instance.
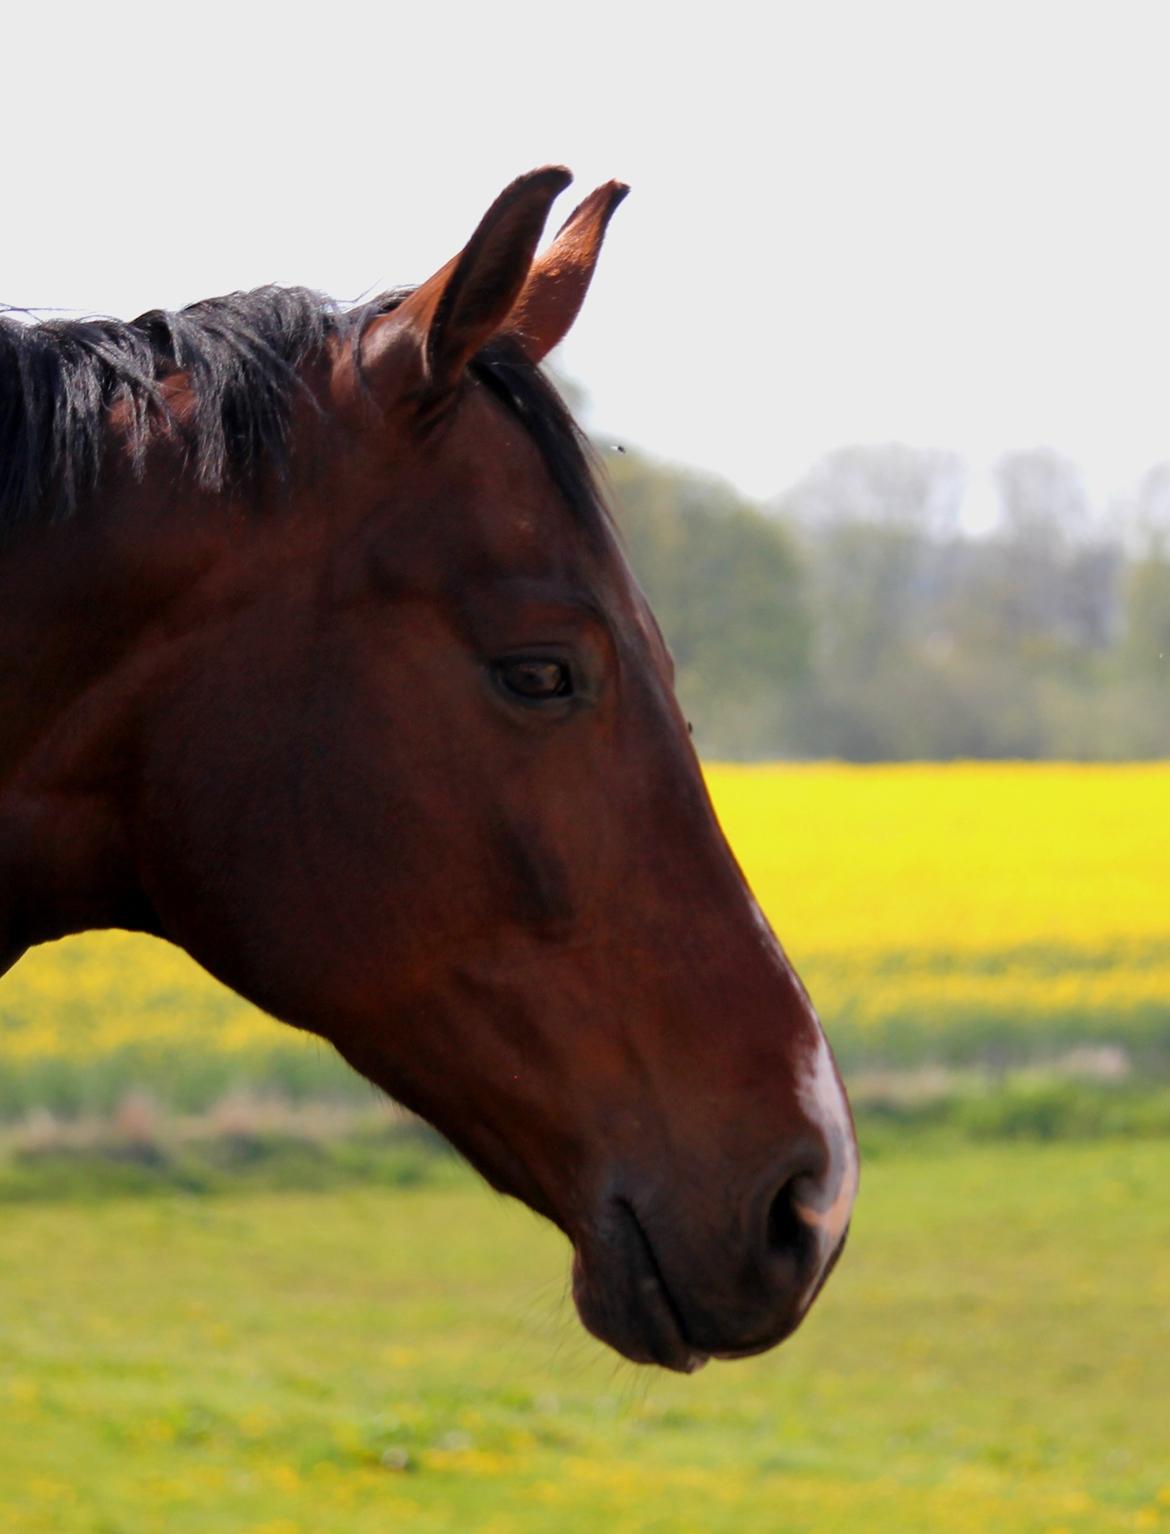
[320, 657]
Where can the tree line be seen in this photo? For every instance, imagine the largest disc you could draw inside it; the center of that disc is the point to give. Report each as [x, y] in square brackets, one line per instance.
[858, 617]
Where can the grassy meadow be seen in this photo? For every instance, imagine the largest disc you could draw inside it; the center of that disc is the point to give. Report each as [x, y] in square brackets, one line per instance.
[993, 1354]
[319, 1320]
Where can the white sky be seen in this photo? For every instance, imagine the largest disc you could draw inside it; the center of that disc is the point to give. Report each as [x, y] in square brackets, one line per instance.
[941, 223]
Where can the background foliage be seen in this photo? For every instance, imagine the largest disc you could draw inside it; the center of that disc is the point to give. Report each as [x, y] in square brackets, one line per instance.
[857, 616]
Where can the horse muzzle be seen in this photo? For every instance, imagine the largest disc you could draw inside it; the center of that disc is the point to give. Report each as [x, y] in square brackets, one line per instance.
[678, 1287]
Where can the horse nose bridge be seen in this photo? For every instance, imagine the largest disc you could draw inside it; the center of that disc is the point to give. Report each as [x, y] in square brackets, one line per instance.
[741, 1041]
[725, 1050]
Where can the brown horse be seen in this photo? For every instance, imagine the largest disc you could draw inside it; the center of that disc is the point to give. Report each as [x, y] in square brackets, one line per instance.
[319, 657]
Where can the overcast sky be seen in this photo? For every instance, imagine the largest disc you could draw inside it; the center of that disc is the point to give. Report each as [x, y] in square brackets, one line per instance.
[943, 224]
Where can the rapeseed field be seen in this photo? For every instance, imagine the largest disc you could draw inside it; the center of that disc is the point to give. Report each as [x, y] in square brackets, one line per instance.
[956, 914]
[952, 912]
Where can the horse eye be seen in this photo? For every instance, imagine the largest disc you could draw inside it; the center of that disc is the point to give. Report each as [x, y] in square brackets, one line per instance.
[534, 679]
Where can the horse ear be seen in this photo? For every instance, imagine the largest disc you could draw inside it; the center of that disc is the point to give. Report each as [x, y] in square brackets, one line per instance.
[459, 309]
[559, 280]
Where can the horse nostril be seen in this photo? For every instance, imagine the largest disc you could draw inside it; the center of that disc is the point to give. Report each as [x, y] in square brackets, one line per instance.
[788, 1234]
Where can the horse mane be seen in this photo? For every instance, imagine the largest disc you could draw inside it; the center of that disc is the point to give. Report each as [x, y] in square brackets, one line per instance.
[245, 355]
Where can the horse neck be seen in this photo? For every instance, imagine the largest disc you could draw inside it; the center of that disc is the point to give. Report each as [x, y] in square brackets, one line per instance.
[77, 608]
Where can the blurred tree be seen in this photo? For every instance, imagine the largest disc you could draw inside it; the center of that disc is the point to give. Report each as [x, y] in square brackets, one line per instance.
[1147, 615]
[726, 586]
[861, 620]
[887, 484]
[1054, 580]
[871, 521]
[1042, 497]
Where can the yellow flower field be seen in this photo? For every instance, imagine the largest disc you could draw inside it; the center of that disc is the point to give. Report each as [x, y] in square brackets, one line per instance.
[934, 911]
[938, 906]
[977, 858]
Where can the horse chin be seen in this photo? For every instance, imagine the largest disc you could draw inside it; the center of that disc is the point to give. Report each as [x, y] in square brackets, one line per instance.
[627, 1306]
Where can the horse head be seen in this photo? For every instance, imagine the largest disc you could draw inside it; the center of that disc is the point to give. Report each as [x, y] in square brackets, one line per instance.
[395, 753]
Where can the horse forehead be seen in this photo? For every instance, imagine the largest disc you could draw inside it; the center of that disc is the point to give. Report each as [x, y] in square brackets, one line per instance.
[484, 529]
[478, 495]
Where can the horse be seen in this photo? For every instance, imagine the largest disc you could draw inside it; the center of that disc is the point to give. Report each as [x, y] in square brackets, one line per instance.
[320, 657]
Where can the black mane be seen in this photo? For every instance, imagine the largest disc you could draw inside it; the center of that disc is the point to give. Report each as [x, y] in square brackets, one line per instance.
[244, 354]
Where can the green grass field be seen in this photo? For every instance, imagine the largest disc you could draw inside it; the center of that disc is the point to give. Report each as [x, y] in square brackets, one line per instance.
[993, 1354]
